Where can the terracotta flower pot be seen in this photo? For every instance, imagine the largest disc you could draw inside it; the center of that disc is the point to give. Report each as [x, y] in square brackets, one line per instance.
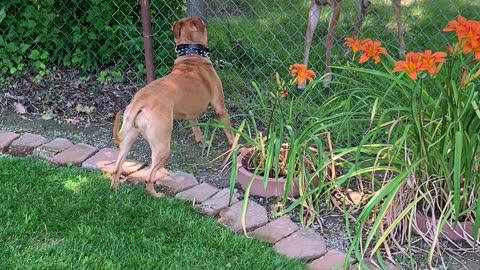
[275, 188]
[428, 225]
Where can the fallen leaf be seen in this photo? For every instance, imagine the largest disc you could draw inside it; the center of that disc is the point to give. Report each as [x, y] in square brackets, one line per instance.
[72, 121]
[19, 108]
[48, 116]
[84, 109]
[8, 95]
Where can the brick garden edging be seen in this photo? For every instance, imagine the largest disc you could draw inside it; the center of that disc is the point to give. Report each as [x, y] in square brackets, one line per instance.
[286, 237]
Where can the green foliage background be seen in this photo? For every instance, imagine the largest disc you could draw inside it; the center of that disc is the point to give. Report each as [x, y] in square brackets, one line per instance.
[85, 34]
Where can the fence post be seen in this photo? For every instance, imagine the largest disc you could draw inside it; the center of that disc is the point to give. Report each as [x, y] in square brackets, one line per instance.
[147, 39]
[197, 8]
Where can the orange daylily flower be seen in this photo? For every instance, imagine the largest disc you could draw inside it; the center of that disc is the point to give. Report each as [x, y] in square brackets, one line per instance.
[468, 33]
[430, 60]
[354, 44]
[471, 37]
[458, 26]
[412, 64]
[302, 73]
[371, 49]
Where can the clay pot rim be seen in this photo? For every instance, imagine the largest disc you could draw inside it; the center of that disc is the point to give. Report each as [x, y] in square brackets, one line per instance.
[451, 230]
[250, 150]
[241, 168]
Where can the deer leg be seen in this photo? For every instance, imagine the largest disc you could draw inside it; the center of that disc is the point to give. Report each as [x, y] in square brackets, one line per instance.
[313, 18]
[332, 26]
[362, 12]
[398, 14]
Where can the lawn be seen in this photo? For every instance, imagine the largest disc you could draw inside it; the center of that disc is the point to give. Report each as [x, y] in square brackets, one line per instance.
[62, 218]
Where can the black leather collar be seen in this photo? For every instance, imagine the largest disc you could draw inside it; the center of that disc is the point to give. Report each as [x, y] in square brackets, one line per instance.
[192, 49]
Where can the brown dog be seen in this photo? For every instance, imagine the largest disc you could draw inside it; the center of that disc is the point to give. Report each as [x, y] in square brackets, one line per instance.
[184, 94]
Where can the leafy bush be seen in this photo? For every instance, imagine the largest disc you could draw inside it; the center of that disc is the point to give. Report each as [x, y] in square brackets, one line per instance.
[89, 35]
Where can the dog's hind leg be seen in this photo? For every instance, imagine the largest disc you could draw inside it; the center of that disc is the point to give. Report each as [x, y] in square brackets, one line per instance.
[158, 135]
[222, 115]
[197, 132]
[127, 140]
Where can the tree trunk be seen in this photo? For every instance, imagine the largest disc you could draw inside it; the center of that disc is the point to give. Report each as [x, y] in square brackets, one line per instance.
[147, 39]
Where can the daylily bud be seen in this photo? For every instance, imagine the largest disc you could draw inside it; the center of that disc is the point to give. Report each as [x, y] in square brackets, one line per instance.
[450, 50]
[439, 67]
[277, 77]
[464, 77]
[476, 75]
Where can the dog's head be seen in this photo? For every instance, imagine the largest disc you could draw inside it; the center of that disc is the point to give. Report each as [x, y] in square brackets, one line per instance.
[190, 30]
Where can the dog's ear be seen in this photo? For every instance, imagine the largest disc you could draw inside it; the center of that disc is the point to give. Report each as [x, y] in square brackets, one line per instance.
[176, 28]
[199, 24]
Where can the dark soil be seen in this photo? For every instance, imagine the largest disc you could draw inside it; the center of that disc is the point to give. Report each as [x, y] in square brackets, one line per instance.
[67, 95]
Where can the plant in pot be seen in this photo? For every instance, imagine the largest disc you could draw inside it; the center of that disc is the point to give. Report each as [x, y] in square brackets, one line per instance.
[422, 132]
[277, 151]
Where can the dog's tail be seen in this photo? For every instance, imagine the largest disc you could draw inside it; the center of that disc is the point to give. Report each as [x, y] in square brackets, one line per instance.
[116, 127]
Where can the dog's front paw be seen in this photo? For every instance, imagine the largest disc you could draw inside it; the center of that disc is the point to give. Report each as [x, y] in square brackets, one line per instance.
[114, 185]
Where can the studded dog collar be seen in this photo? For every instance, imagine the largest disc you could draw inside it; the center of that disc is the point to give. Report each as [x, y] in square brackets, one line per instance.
[192, 49]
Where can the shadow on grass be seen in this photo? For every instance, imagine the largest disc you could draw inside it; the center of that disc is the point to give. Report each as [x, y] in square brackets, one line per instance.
[60, 218]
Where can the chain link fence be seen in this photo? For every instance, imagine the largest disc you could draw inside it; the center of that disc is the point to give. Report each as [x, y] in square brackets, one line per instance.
[100, 42]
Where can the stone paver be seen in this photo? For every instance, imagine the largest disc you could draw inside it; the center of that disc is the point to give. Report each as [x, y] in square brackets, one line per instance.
[217, 203]
[275, 230]
[105, 160]
[25, 144]
[198, 194]
[52, 148]
[138, 177]
[305, 244]
[74, 155]
[256, 216]
[6, 138]
[334, 259]
[177, 182]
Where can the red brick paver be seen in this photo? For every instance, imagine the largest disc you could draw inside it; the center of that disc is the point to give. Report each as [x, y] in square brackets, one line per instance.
[52, 148]
[306, 245]
[256, 216]
[74, 155]
[198, 194]
[25, 144]
[177, 182]
[6, 138]
[275, 230]
[217, 203]
[105, 160]
[334, 259]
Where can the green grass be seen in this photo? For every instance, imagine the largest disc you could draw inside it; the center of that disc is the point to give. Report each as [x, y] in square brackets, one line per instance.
[66, 218]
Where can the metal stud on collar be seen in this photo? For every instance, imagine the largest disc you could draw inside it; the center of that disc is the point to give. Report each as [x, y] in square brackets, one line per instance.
[192, 49]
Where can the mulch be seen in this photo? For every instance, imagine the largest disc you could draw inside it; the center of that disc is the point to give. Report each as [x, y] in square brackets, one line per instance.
[68, 95]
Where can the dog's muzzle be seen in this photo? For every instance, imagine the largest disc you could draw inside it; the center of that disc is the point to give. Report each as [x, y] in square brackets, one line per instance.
[192, 49]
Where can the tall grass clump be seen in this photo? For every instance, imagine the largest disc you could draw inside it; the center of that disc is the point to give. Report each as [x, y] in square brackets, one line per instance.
[420, 151]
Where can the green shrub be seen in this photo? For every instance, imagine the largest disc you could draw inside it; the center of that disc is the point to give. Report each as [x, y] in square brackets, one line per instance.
[89, 35]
